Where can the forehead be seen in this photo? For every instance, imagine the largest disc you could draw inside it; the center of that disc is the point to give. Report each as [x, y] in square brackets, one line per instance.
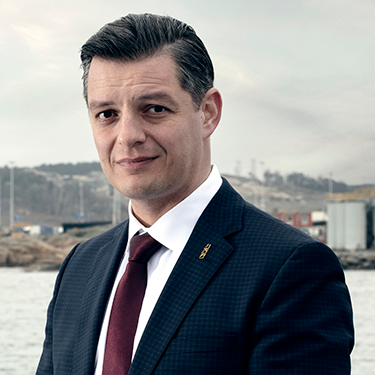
[156, 71]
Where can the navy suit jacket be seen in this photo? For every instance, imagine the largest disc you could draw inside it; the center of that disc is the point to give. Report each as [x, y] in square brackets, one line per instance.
[266, 299]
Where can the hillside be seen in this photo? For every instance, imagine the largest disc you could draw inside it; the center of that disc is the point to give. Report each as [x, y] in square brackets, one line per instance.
[52, 194]
[279, 198]
[44, 195]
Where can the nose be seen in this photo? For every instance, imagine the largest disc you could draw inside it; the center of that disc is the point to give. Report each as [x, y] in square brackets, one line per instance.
[130, 131]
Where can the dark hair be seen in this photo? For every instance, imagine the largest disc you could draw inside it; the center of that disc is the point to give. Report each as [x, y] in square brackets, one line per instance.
[138, 36]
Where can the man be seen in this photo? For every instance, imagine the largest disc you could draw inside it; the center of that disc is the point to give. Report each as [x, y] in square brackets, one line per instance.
[231, 290]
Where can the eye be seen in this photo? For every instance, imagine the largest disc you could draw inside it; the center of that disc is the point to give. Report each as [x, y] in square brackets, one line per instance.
[158, 109]
[105, 115]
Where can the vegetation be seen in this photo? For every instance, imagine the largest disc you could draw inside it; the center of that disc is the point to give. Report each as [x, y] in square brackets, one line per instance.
[71, 169]
[51, 194]
[45, 195]
[303, 181]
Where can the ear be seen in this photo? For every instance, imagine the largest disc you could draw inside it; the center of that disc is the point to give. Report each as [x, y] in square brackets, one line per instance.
[211, 109]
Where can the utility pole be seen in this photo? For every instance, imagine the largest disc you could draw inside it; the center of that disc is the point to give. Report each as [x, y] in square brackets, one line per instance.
[263, 187]
[238, 168]
[116, 207]
[254, 168]
[330, 185]
[81, 202]
[11, 198]
[0, 203]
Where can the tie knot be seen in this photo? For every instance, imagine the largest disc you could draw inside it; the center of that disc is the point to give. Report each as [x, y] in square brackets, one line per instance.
[142, 248]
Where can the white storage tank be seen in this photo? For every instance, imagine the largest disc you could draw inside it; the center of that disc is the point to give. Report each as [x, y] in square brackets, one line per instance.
[336, 225]
[332, 225]
[355, 225]
[346, 227]
[340, 226]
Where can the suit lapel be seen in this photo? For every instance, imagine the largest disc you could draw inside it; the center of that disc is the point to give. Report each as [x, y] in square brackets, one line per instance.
[94, 301]
[189, 277]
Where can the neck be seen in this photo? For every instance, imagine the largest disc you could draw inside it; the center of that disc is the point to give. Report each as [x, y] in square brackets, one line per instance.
[147, 212]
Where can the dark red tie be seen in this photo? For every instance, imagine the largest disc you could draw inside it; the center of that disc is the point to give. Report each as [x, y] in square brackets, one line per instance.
[127, 306]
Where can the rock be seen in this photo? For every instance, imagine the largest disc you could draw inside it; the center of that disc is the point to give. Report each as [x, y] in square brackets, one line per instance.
[42, 267]
[4, 254]
[28, 250]
[47, 253]
[358, 259]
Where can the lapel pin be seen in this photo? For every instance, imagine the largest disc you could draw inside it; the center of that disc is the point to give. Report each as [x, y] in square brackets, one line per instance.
[205, 251]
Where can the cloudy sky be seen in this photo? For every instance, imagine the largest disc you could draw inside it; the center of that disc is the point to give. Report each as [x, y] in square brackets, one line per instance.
[297, 78]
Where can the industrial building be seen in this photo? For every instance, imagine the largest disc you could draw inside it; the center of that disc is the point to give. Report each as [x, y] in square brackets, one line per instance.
[351, 223]
[312, 223]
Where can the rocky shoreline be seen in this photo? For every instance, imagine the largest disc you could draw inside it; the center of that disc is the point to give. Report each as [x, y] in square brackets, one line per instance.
[44, 253]
[356, 259]
[47, 253]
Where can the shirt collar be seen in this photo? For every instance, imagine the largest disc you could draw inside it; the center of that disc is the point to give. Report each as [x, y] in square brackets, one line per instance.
[172, 231]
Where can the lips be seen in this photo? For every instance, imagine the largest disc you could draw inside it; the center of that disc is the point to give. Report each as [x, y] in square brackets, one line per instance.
[138, 162]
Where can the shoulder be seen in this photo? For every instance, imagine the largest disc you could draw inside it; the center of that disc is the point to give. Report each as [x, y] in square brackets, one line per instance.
[230, 214]
[271, 229]
[257, 236]
[106, 237]
[83, 254]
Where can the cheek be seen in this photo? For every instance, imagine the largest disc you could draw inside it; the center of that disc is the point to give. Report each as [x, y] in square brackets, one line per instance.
[103, 144]
[187, 150]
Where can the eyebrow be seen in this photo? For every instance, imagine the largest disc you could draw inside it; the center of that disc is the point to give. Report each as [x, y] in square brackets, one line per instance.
[157, 96]
[96, 104]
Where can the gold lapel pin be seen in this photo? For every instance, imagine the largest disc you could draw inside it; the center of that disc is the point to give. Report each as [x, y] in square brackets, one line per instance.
[205, 251]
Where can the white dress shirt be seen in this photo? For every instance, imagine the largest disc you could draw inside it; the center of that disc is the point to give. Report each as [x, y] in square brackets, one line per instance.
[172, 230]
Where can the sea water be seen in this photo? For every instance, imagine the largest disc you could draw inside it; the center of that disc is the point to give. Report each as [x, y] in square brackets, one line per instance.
[24, 297]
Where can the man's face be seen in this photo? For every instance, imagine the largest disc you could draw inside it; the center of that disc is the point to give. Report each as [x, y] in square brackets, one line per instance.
[152, 142]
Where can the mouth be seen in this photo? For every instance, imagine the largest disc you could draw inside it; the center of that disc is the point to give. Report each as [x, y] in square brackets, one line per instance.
[135, 163]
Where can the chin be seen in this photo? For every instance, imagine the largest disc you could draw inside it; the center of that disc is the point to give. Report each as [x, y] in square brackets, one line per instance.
[140, 192]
